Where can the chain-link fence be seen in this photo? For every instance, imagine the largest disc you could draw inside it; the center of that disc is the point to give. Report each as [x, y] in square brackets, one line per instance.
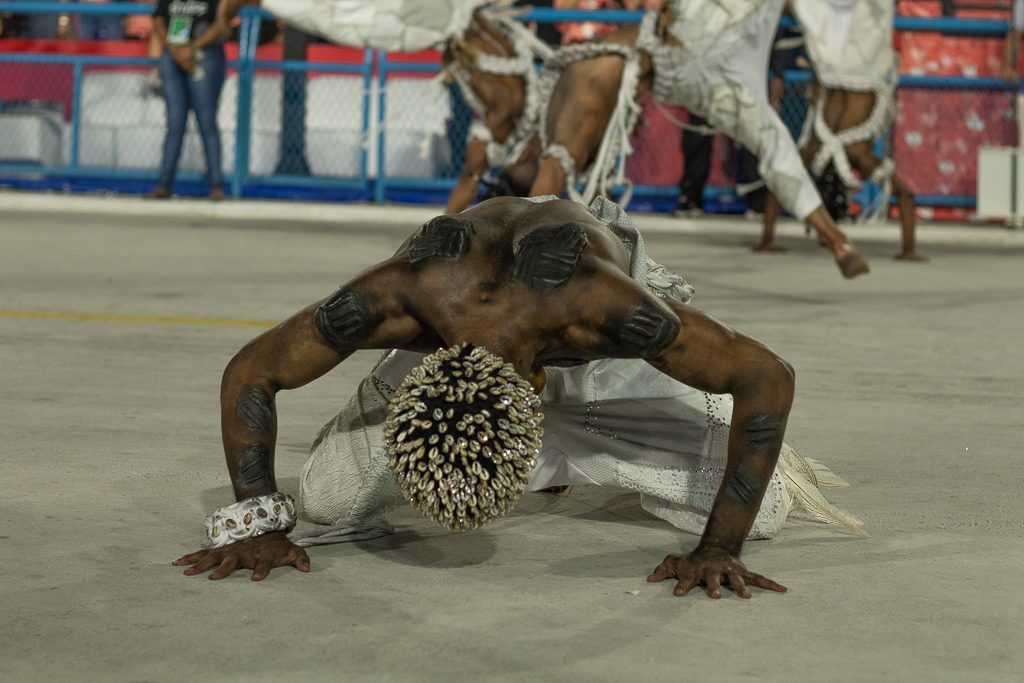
[383, 126]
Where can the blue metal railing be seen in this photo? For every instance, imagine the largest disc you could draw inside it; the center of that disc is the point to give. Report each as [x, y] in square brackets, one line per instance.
[376, 64]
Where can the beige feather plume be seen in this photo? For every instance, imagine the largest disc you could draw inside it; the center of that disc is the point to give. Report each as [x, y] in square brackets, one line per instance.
[803, 476]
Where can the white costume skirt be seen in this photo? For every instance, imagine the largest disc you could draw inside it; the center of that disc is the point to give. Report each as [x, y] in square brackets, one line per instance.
[609, 422]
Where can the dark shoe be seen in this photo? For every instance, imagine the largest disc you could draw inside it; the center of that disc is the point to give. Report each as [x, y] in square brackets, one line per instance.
[159, 193]
[687, 209]
[216, 194]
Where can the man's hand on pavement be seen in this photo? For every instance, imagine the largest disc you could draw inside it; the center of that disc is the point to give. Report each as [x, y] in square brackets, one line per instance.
[711, 567]
[260, 554]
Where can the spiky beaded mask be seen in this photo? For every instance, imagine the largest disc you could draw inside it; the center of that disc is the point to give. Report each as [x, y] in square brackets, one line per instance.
[462, 436]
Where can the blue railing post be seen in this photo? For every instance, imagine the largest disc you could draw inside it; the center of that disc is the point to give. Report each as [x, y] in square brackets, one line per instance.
[248, 39]
[76, 112]
[382, 67]
[364, 140]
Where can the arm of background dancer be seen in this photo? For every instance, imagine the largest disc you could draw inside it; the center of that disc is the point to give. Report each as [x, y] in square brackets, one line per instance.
[473, 168]
[1010, 52]
[711, 357]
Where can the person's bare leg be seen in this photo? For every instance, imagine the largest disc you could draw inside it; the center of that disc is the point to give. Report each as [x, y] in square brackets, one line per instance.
[550, 178]
[850, 262]
[771, 217]
[858, 107]
[474, 166]
[864, 160]
[837, 105]
[908, 221]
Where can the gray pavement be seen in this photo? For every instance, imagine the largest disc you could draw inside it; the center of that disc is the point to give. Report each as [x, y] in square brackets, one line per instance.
[114, 331]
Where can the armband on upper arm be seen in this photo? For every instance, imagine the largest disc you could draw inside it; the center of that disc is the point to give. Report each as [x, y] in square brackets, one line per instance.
[443, 237]
[345, 319]
[546, 258]
[648, 329]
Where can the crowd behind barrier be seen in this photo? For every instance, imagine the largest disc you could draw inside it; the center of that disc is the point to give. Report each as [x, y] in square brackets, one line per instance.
[82, 115]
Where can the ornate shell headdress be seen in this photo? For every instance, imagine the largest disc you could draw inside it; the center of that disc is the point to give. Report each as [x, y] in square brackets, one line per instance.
[462, 436]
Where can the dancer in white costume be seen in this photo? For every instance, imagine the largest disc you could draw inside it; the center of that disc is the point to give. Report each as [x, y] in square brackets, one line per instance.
[399, 25]
[850, 45]
[508, 292]
[711, 56]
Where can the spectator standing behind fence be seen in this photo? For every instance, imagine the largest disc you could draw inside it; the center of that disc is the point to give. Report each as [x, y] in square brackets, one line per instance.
[1013, 41]
[192, 66]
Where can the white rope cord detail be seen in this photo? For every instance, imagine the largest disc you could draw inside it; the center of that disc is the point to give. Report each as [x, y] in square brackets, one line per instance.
[609, 167]
[564, 159]
[808, 127]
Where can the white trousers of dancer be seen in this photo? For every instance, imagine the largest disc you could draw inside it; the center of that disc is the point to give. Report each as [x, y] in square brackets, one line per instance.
[610, 422]
[719, 71]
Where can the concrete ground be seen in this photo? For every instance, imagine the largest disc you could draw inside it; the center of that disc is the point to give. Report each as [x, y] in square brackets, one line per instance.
[118, 317]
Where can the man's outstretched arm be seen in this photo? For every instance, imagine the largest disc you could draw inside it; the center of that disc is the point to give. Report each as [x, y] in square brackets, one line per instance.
[620, 319]
[299, 350]
[711, 357]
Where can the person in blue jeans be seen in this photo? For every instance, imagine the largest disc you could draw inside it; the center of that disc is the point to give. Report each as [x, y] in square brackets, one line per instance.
[192, 69]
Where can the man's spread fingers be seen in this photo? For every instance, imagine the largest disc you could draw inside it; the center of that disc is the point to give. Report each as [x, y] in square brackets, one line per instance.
[191, 558]
[261, 570]
[766, 583]
[229, 565]
[737, 583]
[301, 561]
[662, 571]
[684, 586]
[714, 588]
[207, 562]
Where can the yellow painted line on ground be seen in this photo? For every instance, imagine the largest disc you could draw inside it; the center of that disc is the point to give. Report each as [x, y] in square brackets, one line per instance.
[138, 319]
